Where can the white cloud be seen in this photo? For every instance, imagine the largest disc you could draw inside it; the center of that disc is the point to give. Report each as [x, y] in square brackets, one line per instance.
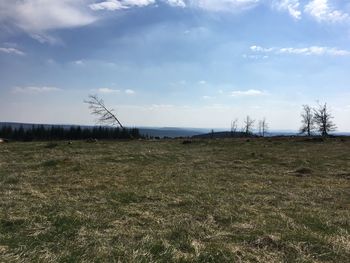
[129, 91]
[260, 49]
[107, 90]
[34, 89]
[44, 38]
[139, 3]
[79, 62]
[321, 10]
[112, 5]
[10, 50]
[207, 97]
[202, 82]
[251, 92]
[42, 15]
[209, 5]
[107, 5]
[161, 106]
[115, 91]
[308, 51]
[179, 3]
[255, 57]
[291, 6]
[37, 17]
[224, 5]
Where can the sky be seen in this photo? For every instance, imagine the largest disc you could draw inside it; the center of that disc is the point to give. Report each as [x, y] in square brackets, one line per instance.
[174, 63]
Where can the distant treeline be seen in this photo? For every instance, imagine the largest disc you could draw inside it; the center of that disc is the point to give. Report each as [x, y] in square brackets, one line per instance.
[41, 133]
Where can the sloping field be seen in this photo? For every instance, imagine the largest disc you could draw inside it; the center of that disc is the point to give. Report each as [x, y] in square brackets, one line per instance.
[262, 200]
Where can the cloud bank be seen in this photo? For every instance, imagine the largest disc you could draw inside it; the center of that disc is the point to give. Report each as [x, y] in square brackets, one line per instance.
[323, 11]
[34, 89]
[38, 17]
[246, 93]
[10, 50]
[223, 5]
[113, 5]
[291, 6]
[308, 51]
[35, 16]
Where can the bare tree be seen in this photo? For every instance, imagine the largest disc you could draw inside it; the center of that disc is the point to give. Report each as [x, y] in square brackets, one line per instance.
[307, 120]
[104, 115]
[248, 125]
[234, 127]
[212, 134]
[263, 127]
[323, 120]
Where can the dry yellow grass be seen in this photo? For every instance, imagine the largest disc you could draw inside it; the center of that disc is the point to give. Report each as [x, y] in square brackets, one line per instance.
[266, 200]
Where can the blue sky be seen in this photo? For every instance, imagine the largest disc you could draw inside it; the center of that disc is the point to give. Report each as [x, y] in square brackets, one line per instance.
[190, 63]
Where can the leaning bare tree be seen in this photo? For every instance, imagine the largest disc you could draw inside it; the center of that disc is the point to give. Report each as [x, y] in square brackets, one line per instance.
[99, 109]
[323, 120]
[263, 127]
[307, 120]
[248, 125]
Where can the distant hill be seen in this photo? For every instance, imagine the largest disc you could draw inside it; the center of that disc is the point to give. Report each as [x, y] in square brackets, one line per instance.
[170, 132]
[227, 134]
[217, 135]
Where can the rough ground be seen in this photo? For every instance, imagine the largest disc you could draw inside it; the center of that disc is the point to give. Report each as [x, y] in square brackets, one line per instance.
[263, 200]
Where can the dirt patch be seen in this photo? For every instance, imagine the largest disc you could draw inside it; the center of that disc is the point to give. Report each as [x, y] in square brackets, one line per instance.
[303, 171]
[269, 241]
[51, 145]
[344, 175]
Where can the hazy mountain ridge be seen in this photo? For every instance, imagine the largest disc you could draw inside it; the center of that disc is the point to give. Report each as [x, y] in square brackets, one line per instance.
[162, 132]
[150, 131]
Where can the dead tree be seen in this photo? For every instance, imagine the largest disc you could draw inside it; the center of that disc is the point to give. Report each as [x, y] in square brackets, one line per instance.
[234, 127]
[323, 120]
[248, 125]
[263, 127]
[307, 120]
[104, 115]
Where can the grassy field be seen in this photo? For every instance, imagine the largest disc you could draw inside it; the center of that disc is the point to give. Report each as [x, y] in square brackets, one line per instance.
[262, 200]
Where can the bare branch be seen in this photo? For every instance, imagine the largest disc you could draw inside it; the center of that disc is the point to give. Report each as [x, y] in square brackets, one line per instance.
[104, 115]
[263, 127]
[248, 125]
[307, 119]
